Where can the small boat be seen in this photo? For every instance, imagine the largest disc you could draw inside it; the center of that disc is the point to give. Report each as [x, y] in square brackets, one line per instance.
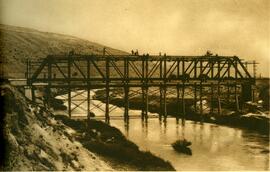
[182, 146]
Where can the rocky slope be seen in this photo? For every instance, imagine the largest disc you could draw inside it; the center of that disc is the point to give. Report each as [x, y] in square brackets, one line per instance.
[33, 140]
[17, 44]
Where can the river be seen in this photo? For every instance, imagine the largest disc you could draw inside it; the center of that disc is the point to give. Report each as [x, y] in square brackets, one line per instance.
[214, 147]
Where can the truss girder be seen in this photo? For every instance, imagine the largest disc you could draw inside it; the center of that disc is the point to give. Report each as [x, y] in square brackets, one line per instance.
[145, 70]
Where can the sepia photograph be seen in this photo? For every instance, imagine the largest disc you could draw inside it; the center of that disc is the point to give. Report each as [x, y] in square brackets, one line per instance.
[134, 85]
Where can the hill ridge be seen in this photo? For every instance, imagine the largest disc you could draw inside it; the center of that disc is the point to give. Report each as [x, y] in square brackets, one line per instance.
[19, 43]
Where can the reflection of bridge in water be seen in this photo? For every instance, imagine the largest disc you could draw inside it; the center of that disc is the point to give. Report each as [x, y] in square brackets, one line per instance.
[224, 77]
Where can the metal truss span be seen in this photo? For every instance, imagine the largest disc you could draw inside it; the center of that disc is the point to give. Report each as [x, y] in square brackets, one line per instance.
[107, 71]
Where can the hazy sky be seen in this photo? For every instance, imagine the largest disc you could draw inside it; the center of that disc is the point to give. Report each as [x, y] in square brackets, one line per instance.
[177, 27]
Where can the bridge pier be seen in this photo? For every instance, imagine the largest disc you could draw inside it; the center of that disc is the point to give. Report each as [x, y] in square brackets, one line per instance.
[236, 98]
[183, 102]
[195, 97]
[69, 102]
[126, 90]
[212, 99]
[219, 103]
[145, 102]
[228, 92]
[165, 104]
[178, 102]
[107, 107]
[160, 102]
[88, 102]
[33, 95]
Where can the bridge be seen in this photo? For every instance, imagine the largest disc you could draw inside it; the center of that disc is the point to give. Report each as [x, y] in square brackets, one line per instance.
[86, 72]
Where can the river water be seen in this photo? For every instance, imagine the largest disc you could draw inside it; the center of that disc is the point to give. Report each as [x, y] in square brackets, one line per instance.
[214, 147]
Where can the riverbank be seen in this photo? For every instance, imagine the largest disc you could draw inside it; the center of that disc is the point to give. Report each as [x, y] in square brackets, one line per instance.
[109, 142]
[35, 139]
[251, 120]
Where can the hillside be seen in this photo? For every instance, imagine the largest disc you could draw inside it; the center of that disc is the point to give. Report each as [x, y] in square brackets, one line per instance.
[17, 44]
[33, 140]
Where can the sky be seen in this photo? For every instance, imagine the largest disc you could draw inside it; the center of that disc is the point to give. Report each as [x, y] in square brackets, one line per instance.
[174, 27]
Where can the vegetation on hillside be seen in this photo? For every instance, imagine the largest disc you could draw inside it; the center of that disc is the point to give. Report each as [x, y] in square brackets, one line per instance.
[18, 44]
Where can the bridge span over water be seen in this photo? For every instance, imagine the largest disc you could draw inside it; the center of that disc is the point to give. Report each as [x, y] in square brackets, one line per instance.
[75, 71]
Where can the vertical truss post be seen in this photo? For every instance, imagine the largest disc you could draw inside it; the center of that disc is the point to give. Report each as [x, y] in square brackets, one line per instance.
[218, 72]
[236, 69]
[229, 70]
[183, 67]
[146, 88]
[201, 67]
[212, 69]
[165, 89]
[88, 88]
[69, 89]
[178, 90]
[160, 89]
[178, 69]
[126, 87]
[107, 107]
[143, 88]
[178, 102]
[195, 68]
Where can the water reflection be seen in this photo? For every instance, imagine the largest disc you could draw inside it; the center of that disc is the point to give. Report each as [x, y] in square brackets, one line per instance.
[127, 127]
[214, 147]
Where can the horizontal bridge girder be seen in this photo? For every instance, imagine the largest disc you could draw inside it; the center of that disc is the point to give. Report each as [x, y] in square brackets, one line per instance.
[63, 58]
